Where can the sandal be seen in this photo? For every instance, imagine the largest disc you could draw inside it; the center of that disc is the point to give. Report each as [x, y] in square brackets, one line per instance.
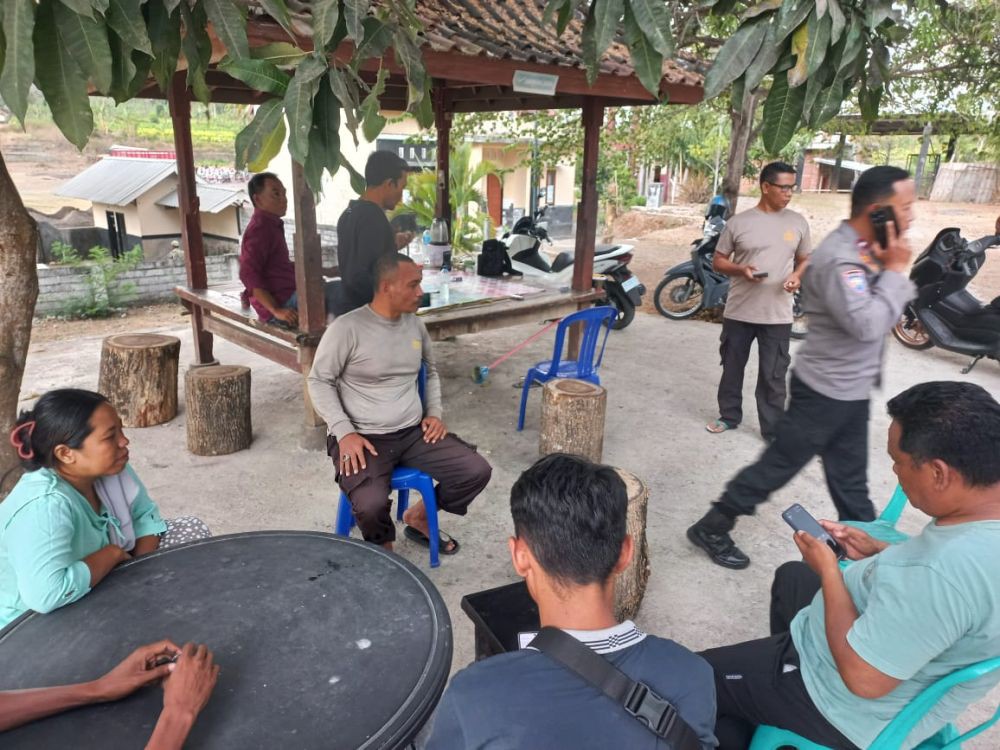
[718, 426]
[416, 535]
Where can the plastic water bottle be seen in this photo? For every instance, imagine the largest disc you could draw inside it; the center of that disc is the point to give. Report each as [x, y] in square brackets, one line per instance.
[444, 289]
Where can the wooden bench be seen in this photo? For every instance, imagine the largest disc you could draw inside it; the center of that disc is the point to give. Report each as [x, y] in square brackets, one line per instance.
[223, 314]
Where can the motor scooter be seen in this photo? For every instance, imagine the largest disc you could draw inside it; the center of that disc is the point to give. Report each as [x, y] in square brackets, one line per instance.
[623, 288]
[945, 313]
[694, 285]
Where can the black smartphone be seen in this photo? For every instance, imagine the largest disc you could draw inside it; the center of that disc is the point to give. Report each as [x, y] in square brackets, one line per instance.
[801, 520]
[879, 218]
[760, 274]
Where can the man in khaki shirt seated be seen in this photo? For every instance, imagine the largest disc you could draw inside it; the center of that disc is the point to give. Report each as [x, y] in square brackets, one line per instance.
[364, 384]
[764, 252]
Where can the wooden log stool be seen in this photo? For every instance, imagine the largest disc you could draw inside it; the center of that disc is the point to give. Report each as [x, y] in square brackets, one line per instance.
[573, 418]
[217, 398]
[139, 377]
[631, 583]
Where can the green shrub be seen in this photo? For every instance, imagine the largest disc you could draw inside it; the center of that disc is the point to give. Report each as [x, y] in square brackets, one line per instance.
[106, 293]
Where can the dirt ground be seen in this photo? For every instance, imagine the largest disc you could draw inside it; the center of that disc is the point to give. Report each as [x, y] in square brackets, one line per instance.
[661, 377]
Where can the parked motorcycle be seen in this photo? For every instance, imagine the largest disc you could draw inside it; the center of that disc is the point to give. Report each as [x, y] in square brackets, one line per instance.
[945, 313]
[623, 289]
[693, 286]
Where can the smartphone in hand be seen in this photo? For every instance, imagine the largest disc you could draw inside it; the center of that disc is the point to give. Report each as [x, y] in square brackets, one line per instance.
[760, 274]
[801, 520]
[879, 218]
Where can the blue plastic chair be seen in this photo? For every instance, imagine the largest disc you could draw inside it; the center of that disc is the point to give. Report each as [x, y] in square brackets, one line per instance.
[403, 480]
[583, 368]
[896, 732]
[883, 528]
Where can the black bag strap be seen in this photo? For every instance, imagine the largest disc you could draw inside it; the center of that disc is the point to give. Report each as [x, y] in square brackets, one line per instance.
[638, 699]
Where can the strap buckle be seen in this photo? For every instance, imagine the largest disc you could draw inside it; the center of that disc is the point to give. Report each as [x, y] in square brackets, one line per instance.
[649, 708]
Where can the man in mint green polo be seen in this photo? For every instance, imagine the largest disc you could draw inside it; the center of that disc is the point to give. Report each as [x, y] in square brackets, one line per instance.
[850, 649]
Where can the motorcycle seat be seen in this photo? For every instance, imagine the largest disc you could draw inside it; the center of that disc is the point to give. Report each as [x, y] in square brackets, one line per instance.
[605, 249]
[561, 261]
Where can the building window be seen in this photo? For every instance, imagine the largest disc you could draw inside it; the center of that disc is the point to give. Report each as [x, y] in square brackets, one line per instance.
[550, 187]
[117, 236]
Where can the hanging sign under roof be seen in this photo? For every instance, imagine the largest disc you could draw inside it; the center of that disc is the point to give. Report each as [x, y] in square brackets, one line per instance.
[528, 82]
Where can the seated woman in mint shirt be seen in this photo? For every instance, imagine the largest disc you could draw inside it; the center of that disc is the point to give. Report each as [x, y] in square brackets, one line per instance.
[79, 510]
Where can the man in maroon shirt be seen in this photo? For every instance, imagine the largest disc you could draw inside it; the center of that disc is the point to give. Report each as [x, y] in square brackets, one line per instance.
[266, 271]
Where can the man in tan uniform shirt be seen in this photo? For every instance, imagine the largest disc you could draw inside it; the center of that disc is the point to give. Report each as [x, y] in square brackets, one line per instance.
[764, 251]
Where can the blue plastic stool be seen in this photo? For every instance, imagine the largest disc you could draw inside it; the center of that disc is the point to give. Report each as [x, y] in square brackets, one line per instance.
[403, 480]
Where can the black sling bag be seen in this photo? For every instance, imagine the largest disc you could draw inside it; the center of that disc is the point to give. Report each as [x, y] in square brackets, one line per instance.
[649, 709]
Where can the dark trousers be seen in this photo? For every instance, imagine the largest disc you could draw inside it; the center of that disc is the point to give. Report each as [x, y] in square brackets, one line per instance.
[759, 682]
[772, 353]
[836, 431]
[460, 472]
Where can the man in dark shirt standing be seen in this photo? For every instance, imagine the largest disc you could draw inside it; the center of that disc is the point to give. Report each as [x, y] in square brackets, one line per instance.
[569, 544]
[364, 233]
[266, 271]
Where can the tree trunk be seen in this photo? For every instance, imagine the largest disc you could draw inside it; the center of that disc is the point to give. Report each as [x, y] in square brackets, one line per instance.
[139, 377]
[18, 292]
[573, 418]
[217, 399]
[630, 585]
[739, 143]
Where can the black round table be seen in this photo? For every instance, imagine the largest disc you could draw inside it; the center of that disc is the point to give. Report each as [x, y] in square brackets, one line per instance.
[324, 642]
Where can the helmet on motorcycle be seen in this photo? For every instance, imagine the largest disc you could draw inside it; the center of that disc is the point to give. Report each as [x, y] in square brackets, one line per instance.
[718, 206]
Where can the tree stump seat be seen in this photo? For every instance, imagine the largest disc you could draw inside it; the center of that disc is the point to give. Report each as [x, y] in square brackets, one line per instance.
[139, 377]
[217, 399]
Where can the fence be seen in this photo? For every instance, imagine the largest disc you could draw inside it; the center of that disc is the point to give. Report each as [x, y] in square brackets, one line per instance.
[152, 281]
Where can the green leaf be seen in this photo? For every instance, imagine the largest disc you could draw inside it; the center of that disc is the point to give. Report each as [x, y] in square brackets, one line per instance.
[61, 81]
[326, 14]
[355, 12]
[761, 8]
[277, 10]
[766, 59]
[876, 12]
[828, 103]
[607, 16]
[838, 21]
[270, 148]
[86, 39]
[655, 24]
[648, 63]
[230, 26]
[565, 16]
[324, 138]
[800, 46]
[868, 101]
[251, 140]
[372, 121]
[346, 91]
[734, 57]
[424, 113]
[123, 68]
[782, 113]
[408, 53]
[19, 70]
[821, 6]
[378, 38]
[81, 7]
[165, 39]
[3, 47]
[814, 86]
[793, 14]
[258, 74]
[197, 49]
[298, 104]
[357, 180]
[853, 47]
[125, 17]
[588, 45]
[278, 53]
[819, 44]
[101, 6]
[142, 64]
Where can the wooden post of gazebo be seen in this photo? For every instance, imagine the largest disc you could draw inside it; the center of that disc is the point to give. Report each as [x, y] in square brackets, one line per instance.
[586, 212]
[442, 123]
[187, 201]
[308, 252]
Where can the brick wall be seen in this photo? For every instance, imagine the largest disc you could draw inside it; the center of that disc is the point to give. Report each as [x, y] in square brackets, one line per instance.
[153, 281]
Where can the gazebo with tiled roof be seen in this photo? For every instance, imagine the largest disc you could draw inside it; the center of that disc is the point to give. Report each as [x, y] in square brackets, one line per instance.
[472, 50]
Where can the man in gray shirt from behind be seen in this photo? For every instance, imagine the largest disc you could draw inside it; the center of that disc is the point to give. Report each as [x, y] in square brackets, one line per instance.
[364, 384]
[853, 291]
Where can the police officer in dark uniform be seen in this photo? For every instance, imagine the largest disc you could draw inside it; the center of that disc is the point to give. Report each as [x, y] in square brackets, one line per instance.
[854, 291]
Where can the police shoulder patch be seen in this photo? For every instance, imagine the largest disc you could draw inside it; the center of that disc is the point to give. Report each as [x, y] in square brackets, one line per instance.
[855, 280]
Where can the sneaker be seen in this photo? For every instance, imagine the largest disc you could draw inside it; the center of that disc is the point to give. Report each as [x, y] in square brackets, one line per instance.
[721, 548]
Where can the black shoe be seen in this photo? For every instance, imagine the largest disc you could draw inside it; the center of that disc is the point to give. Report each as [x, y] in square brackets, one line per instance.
[721, 548]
